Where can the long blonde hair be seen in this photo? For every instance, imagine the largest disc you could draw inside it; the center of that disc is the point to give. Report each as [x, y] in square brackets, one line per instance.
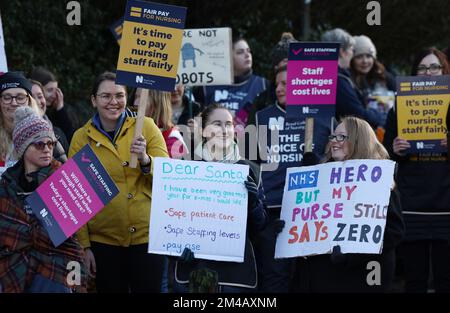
[160, 108]
[363, 143]
[6, 134]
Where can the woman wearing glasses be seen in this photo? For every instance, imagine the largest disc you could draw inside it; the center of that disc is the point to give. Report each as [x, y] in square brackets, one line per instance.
[353, 138]
[15, 91]
[424, 184]
[29, 262]
[116, 239]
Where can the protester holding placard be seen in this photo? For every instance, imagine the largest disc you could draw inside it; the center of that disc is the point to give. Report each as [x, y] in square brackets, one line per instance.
[353, 138]
[348, 100]
[219, 146]
[424, 183]
[159, 109]
[238, 98]
[29, 262]
[116, 239]
[374, 83]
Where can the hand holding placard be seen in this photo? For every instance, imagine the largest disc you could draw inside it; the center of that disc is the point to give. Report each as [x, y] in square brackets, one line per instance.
[139, 122]
[73, 195]
[422, 105]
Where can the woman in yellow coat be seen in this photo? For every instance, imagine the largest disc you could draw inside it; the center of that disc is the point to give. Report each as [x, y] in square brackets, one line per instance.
[116, 239]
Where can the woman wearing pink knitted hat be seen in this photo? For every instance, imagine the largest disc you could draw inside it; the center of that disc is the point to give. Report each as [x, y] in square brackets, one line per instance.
[29, 262]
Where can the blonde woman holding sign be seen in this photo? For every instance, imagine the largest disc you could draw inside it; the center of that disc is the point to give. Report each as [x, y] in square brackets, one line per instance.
[116, 239]
[353, 138]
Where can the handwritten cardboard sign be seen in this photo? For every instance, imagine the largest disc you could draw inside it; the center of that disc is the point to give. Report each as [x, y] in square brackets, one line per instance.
[337, 203]
[199, 205]
[206, 57]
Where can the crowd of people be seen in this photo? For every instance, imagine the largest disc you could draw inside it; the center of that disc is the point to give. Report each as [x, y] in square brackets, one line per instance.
[37, 137]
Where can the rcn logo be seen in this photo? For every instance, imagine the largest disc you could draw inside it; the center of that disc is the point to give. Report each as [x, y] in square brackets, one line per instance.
[419, 145]
[220, 95]
[305, 110]
[276, 123]
[139, 79]
[43, 212]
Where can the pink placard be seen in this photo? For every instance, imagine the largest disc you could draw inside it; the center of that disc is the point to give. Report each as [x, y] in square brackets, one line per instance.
[311, 82]
[70, 198]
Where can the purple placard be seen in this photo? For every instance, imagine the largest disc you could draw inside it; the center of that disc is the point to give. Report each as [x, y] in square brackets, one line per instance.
[72, 196]
[311, 80]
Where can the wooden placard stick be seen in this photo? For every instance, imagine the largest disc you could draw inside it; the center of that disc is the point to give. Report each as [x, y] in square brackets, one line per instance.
[143, 100]
[309, 134]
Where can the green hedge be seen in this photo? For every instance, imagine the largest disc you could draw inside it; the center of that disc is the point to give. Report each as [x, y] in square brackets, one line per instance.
[36, 33]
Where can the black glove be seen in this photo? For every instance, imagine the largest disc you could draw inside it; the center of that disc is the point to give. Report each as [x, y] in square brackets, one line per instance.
[337, 257]
[252, 189]
[278, 225]
[187, 256]
[274, 227]
[310, 158]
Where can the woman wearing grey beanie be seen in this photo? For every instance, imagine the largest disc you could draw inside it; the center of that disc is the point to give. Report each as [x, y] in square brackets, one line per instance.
[374, 83]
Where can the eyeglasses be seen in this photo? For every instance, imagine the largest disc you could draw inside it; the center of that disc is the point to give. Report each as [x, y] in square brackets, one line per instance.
[107, 97]
[40, 145]
[339, 137]
[433, 68]
[20, 99]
